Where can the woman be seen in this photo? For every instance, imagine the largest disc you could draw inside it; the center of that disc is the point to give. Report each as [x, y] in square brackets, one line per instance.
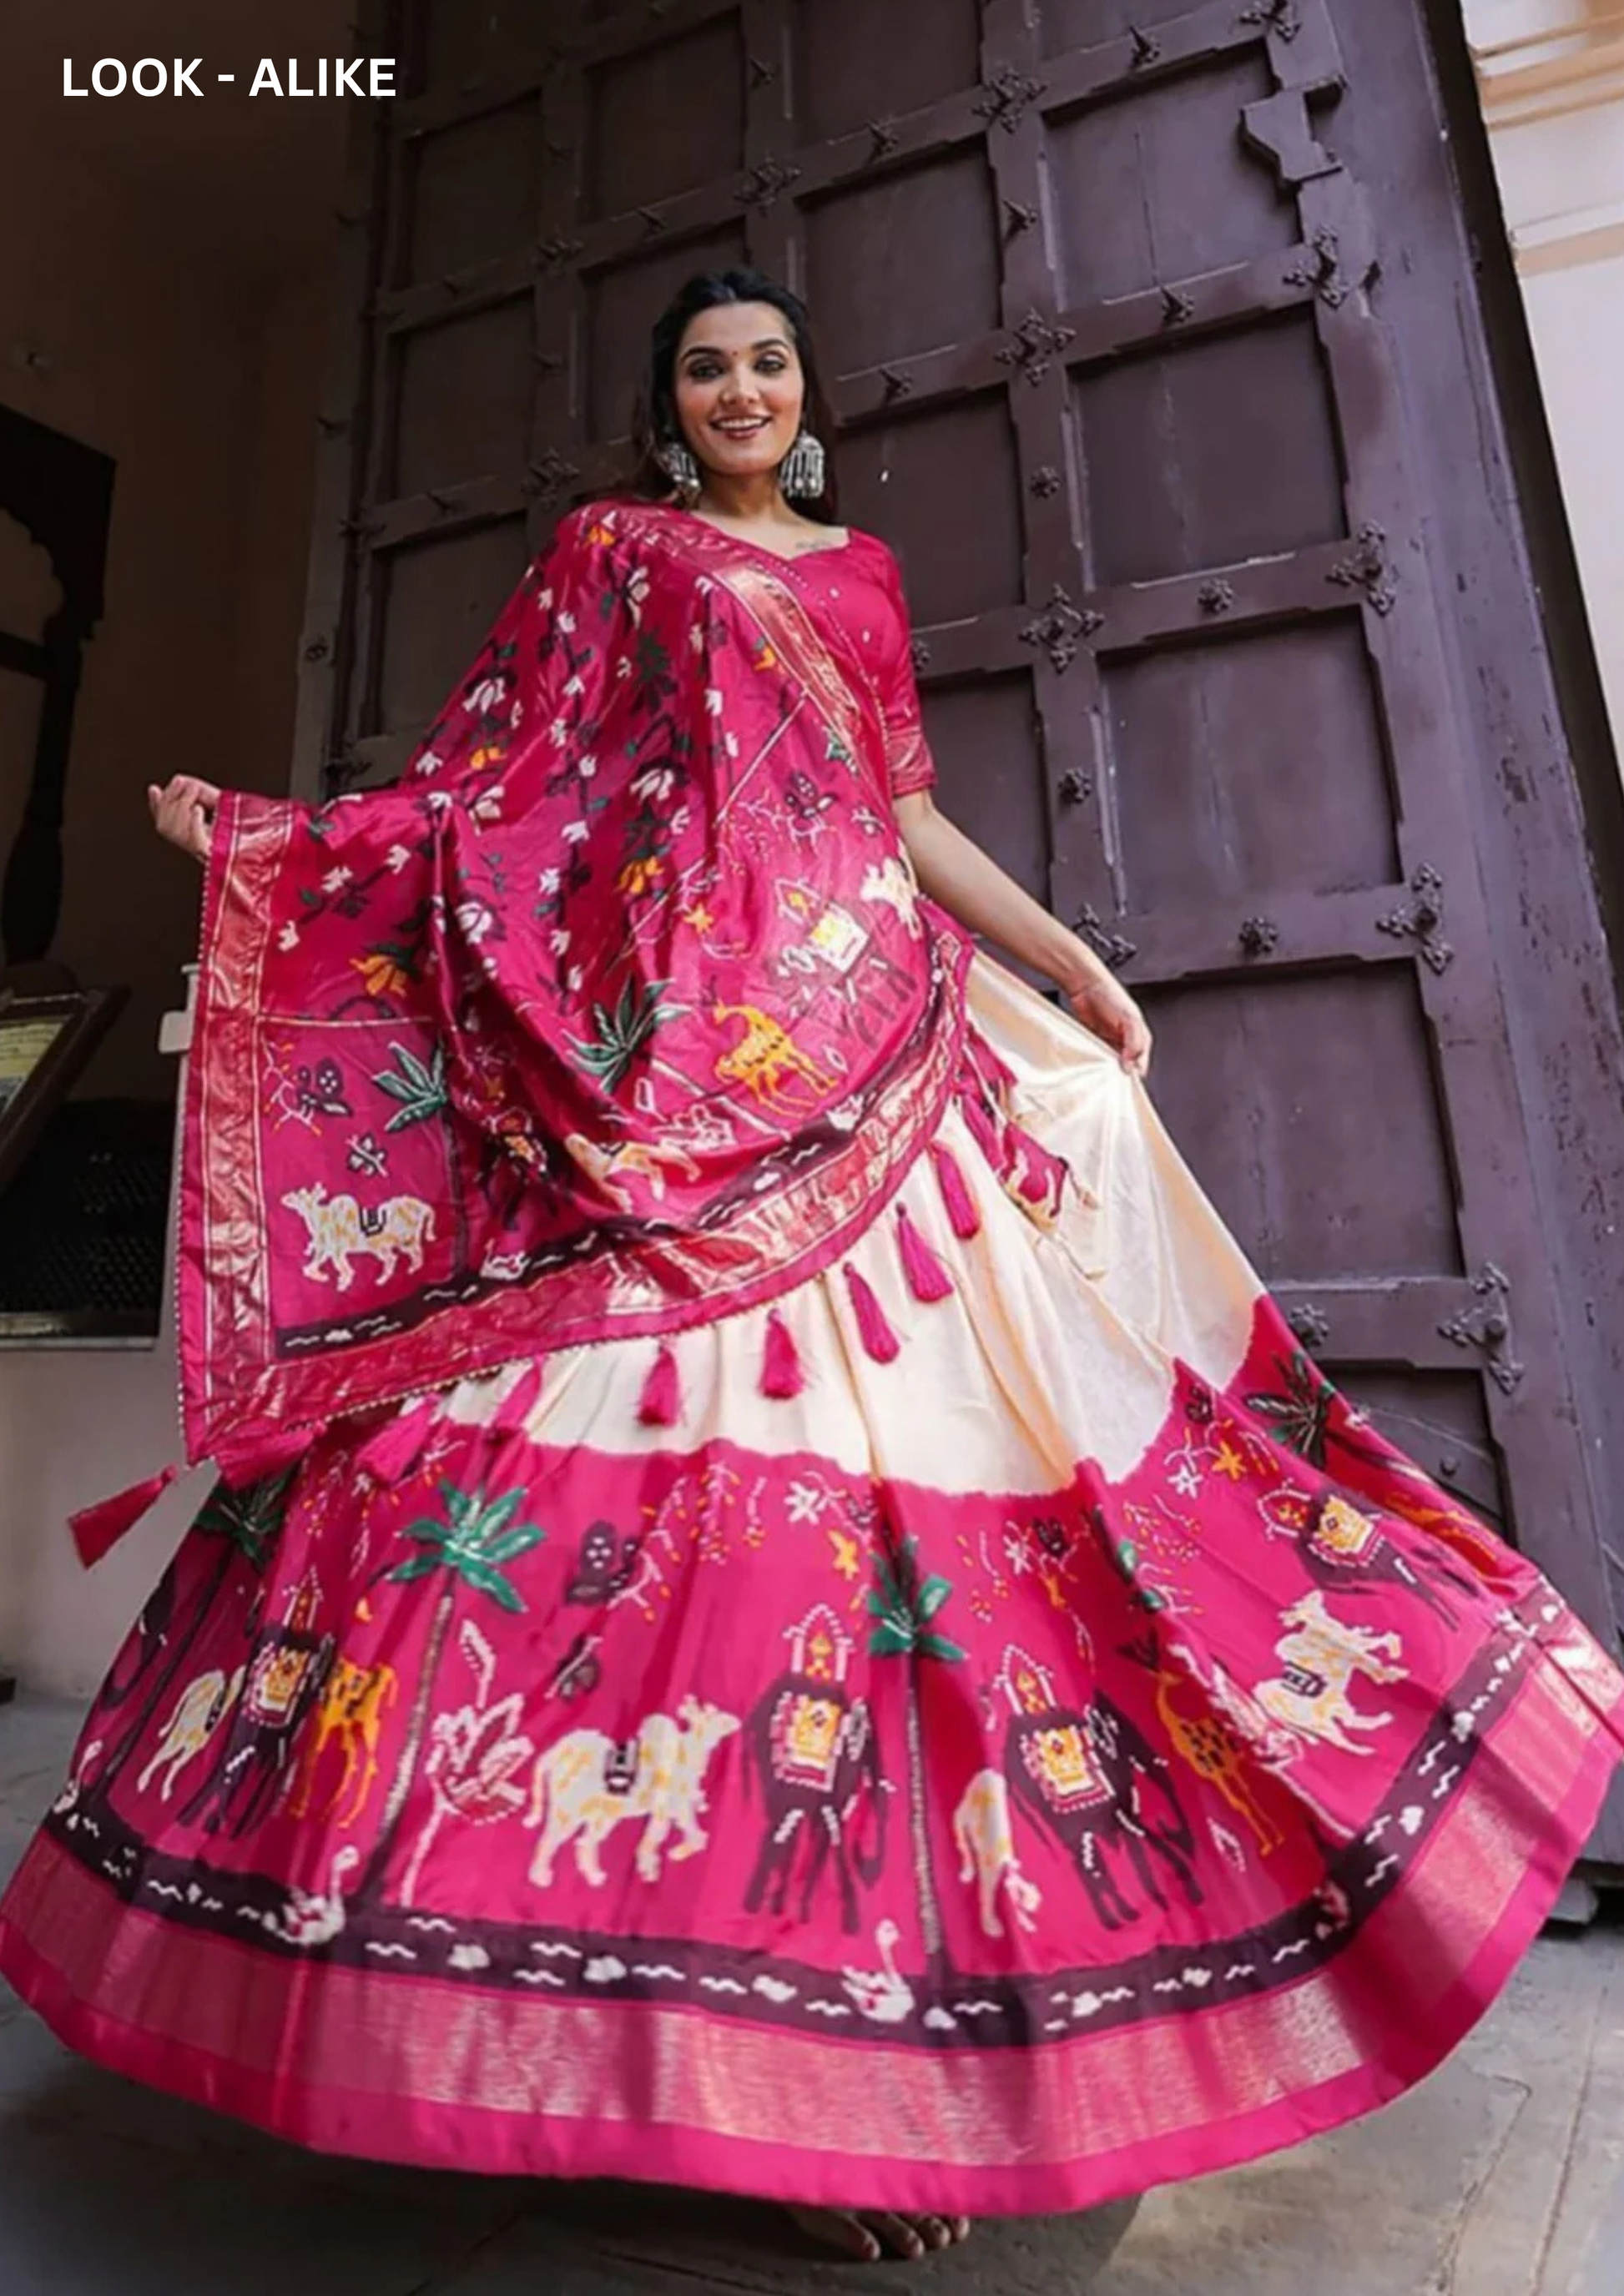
[783, 1612]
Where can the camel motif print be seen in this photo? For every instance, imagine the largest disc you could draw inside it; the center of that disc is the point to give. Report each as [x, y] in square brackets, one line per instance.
[1321, 1655]
[767, 1060]
[985, 1839]
[1204, 1735]
[351, 1708]
[585, 1785]
[338, 1230]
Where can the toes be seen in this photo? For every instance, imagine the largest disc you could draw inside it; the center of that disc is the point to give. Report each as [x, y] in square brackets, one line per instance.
[836, 2228]
[898, 2234]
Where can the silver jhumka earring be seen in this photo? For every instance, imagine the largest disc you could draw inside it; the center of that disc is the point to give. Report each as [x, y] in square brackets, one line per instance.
[802, 469]
[676, 461]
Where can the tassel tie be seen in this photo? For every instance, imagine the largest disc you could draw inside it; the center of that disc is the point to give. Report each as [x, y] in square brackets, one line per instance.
[963, 1215]
[1032, 1174]
[662, 1404]
[782, 1376]
[97, 1530]
[928, 1280]
[879, 1340]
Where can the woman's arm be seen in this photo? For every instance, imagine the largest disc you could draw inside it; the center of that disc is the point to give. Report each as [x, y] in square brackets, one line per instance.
[969, 885]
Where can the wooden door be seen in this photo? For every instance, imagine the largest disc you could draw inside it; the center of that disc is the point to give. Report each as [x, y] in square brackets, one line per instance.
[1102, 287]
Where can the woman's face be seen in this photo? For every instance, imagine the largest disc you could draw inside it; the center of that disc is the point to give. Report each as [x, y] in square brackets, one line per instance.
[739, 388]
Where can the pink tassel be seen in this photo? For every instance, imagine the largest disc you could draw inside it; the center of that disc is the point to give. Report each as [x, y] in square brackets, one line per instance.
[782, 1376]
[878, 1337]
[983, 1131]
[955, 1195]
[661, 1405]
[928, 1279]
[388, 1456]
[97, 1530]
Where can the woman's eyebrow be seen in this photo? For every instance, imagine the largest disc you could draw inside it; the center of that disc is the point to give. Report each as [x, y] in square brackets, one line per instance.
[767, 342]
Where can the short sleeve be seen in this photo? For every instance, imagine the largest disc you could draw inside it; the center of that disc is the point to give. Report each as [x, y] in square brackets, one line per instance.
[907, 753]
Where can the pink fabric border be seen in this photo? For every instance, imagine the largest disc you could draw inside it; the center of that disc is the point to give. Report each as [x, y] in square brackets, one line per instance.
[373, 2124]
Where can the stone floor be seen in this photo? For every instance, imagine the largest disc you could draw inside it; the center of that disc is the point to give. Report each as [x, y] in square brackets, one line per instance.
[1503, 2175]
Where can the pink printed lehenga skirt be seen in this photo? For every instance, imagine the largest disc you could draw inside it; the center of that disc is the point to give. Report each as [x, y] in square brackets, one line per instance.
[1012, 1735]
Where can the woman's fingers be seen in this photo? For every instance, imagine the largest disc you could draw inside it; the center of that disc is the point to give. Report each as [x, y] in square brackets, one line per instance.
[183, 811]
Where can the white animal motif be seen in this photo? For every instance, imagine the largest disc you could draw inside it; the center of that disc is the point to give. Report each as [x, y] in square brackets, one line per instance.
[338, 1230]
[315, 1916]
[199, 1711]
[986, 1844]
[885, 1996]
[78, 1779]
[1322, 1655]
[644, 1157]
[585, 1785]
[888, 882]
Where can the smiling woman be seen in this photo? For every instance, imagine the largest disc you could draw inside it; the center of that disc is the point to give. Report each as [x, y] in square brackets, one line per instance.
[732, 417]
[786, 1613]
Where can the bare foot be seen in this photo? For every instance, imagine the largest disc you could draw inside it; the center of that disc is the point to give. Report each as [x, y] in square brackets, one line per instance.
[870, 2234]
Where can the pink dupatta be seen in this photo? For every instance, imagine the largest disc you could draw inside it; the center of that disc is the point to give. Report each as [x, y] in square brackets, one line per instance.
[577, 1032]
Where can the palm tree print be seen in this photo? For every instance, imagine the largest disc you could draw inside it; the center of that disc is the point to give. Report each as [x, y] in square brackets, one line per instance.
[419, 1085]
[471, 1547]
[621, 1035]
[245, 1524]
[1302, 1418]
[902, 1605]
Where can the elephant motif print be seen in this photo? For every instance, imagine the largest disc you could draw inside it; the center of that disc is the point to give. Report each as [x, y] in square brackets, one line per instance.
[985, 1839]
[1093, 1780]
[338, 1230]
[1342, 1546]
[585, 1785]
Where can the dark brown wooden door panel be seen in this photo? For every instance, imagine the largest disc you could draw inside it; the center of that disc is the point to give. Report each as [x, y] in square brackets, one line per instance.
[1104, 312]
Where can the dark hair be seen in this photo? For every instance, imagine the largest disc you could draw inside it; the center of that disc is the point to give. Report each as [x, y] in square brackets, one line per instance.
[654, 423]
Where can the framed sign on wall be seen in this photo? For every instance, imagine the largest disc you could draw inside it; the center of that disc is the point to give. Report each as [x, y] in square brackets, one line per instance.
[44, 1044]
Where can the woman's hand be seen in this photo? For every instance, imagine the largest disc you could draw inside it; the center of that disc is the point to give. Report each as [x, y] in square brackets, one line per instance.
[1104, 1007]
[183, 811]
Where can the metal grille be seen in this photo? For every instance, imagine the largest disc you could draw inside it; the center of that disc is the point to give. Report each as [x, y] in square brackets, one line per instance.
[82, 1226]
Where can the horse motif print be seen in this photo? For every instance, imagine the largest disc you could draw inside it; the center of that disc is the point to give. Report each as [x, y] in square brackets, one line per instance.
[1322, 1654]
[645, 1158]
